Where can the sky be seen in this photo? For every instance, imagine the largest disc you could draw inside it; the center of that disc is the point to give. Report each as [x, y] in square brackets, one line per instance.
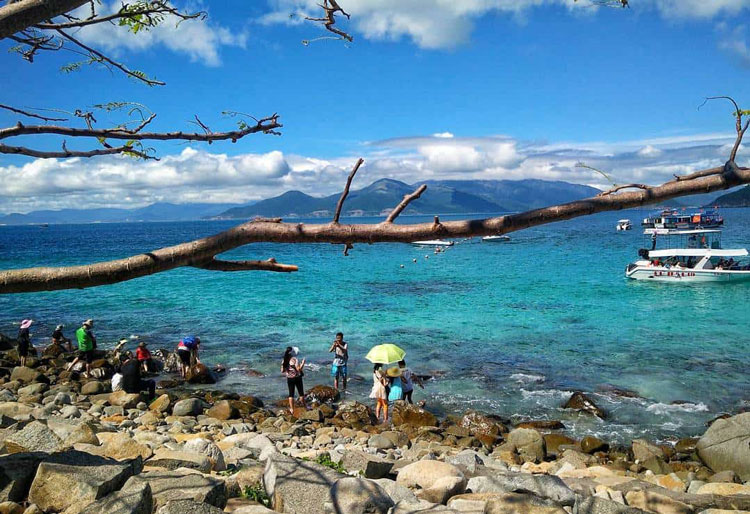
[428, 89]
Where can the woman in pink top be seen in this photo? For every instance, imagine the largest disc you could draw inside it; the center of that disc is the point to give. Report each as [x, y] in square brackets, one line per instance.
[293, 371]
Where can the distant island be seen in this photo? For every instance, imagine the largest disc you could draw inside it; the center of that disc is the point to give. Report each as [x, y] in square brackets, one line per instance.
[739, 198]
[441, 197]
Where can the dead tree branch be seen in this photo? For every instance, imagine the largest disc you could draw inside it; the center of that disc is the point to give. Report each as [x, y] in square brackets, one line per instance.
[624, 186]
[404, 203]
[267, 265]
[331, 8]
[16, 16]
[203, 250]
[30, 114]
[66, 154]
[738, 114]
[344, 194]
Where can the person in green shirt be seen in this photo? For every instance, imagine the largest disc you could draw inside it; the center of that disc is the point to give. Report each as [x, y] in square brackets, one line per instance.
[86, 345]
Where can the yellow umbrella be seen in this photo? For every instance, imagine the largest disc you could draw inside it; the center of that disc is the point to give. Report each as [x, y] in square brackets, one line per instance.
[385, 354]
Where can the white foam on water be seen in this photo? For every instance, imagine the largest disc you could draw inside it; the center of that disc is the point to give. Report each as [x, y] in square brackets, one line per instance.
[546, 394]
[528, 378]
[665, 408]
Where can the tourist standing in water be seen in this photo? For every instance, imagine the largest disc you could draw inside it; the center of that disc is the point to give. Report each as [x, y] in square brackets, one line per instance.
[24, 340]
[396, 391]
[340, 359]
[293, 370]
[378, 392]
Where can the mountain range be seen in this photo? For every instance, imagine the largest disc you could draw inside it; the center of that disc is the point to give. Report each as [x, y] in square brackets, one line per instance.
[155, 212]
[441, 197]
[739, 198]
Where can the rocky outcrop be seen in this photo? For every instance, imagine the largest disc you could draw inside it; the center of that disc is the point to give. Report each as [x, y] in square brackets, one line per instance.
[726, 445]
[407, 414]
[298, 486]
[581, 402]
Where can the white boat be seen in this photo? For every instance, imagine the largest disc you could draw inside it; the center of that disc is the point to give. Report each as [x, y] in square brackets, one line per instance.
[433, 242]
[495, 239]
[690, 256]
[624, 225]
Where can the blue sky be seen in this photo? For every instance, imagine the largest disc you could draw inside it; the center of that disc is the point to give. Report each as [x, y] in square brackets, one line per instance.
[429, 89]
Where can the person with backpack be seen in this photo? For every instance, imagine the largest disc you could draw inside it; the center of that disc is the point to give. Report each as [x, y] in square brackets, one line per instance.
[187, 351]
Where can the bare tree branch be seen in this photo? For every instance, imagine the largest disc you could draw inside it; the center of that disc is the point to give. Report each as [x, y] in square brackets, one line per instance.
[331, 7]
[30, 114]
[349, 179]
[738, 114]
[404, 203]
[126, 12]
[66, 154]
[16, 16]
[699, 174]
[620, 188]
[267, 265]
[203, 250]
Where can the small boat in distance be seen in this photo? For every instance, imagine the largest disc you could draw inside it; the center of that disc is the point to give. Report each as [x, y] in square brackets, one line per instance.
[624, 224]
[689, 256]
[495, 239]
[433, 242]
[671, 218]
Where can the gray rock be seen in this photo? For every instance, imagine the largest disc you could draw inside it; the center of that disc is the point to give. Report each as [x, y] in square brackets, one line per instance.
[370, 466]
[726, 445]
[63, 399]
[15, 410]
[296, 486]
[77, 478]
[32, 389]
[528, 443]
[114, 410]
[180, 485]
[137, 500]
[234, 455]
[505, 503]
[398, 493]
[35, 437]
[16, 473]
[210, 450]
[169, 459]
[359, 496]
[597, 505]
[188, 507]
[188, 407]
[467, 459]
[545, 486]
[421, 508]
[643, 450]
[380, 442]
[72, 432]
[70, 411]
[27, 375]
[92, 387]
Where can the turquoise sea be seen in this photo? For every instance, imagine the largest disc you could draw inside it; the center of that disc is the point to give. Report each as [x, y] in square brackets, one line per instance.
[510, 328]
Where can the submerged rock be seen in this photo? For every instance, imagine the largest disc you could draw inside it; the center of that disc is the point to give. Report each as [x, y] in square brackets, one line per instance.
[582, 403]
[322, 394]
[409, 414]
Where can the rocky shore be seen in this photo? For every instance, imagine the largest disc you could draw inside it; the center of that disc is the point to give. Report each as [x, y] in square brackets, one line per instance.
[68, 444]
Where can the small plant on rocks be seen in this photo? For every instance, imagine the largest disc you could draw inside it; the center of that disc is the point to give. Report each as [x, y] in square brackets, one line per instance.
[258, 494]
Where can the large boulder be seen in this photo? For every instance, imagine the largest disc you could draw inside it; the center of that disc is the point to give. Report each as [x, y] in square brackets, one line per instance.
[482, 426]
[359, 496]
[528, 443]
[35, 437]
[726, 445]
[322, 394]
[15, 410]
[409, 414]
[137, 500]
[544, 486]
[170, 459]
[200, 374]
[369, 466]
[353, 415]
[27, 375]
[582, 403]
[16, 474]
[73, 432]
[77, 478]
[644, 450]
[300, 487]
[436, 481]
[180, 485]
[120, 446]
[124, 400]
[209, 449]
[504, 503]
[188, 507]
[654, 502]
[187, 407]
[160, 404]
[222, 410]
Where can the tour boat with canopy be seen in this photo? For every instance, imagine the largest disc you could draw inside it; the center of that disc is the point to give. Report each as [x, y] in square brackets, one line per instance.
[624, 224]
[673, 219]
[689, 256]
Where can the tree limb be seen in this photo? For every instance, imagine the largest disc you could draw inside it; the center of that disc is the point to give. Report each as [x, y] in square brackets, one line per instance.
[203, 250]
[66, 154]
[16, 16]
[267, 265]
[126, 12]
[404, 203]
[331, 7]
[349, 179]
[624, 186]
[30, 114]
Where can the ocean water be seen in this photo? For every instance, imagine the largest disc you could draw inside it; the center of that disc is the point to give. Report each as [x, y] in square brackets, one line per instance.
[509, 328]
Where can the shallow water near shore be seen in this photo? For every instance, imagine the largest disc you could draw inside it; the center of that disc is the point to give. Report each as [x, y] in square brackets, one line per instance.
[509, 328]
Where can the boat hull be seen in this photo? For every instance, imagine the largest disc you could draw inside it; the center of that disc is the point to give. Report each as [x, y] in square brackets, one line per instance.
[436, 242]
[661, 274]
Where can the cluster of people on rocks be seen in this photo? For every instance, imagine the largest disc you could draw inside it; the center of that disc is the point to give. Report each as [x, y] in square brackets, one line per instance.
[389, 385]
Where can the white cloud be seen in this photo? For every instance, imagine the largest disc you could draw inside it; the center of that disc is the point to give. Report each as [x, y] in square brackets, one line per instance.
[200, 40]
[194, 175]
[735, 43]
[448, 23]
